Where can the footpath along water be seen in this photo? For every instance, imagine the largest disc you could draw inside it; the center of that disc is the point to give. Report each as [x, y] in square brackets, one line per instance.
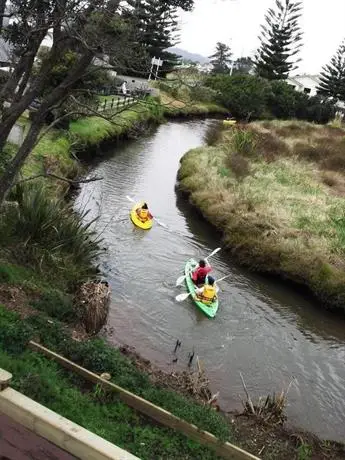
[263, 328]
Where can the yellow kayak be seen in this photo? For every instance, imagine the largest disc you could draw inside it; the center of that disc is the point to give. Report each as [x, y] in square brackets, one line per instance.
[229, 122]
[135, 218]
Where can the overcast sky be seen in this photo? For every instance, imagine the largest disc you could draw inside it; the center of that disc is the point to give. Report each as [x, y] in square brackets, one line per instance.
[237, 23]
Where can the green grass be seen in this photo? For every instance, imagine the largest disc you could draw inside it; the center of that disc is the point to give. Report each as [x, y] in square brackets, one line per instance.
[279, 216]
[48, 384]
[44, 382]
[93, 130]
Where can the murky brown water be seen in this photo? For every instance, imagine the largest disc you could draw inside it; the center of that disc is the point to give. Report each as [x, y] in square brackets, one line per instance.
[263, 329]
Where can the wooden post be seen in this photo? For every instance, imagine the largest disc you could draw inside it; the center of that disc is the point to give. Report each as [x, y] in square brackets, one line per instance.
[112, 103]
[165, 418]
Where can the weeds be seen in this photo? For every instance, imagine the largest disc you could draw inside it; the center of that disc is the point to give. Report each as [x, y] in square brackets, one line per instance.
[56, 305]
[304, 452]
[243, 142]
[270, 409]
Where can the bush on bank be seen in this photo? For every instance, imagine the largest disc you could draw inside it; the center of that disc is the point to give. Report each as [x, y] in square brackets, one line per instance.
[249, 97]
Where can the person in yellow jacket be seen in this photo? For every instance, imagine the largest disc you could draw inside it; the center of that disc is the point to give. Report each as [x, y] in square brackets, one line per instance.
[144, 213]
[208, 293]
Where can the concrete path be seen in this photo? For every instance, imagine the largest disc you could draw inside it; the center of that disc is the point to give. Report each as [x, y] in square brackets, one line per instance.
[18, 443]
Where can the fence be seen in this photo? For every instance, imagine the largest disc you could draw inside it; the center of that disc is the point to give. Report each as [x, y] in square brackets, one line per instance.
[116, 103]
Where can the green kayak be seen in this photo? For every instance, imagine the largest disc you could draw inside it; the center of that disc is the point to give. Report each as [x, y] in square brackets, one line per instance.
[209, 310]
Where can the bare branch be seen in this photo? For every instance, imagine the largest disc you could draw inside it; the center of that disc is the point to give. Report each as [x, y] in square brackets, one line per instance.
[54, 176]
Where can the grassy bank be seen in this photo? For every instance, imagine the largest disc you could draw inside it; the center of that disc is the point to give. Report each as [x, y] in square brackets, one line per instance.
[276, 191]
[102, 413]
[85, 404]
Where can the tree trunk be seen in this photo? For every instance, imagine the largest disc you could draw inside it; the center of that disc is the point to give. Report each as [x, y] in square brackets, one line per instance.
[55, 96]
[2, 12]
[14, 167]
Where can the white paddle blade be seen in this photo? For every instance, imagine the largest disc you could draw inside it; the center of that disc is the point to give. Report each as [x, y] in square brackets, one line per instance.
[182, 297]
[213, 253]
[160, 223]
[180, 280]
[130, 199]
[224, 278]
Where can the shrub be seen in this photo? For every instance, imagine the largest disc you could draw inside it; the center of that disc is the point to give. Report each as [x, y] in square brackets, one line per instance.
[202, 93]
[251, 97]
[15, 333]
[270, 146]
[314, 109]
[244, 142]
[335, 162]
[54, 303]
[239, 165]
[46, 230]
[213, 133]
[282, 100]
[244, 95]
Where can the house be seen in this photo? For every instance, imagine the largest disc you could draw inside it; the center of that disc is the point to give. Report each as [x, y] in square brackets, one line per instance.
[305, 83]
[205, 68]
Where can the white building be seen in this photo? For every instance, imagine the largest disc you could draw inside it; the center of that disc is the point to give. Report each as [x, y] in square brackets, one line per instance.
[305, 83]
[205, 68]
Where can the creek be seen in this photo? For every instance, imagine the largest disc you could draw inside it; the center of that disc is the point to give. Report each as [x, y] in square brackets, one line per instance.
[264, 329]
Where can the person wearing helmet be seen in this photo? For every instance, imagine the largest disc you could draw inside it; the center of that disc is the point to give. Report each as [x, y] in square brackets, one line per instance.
[200, 273]
[144, 213]
[208, 293]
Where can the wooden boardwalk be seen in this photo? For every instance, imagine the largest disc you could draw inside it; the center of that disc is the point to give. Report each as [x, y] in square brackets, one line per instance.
[18, 443]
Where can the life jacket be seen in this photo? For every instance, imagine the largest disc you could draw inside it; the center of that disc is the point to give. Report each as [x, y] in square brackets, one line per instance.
[208, 294]
[143, 214]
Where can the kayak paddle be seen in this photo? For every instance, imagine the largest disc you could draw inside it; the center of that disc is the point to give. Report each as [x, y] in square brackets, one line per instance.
[154, 218]
[183, 297]
[182, 278]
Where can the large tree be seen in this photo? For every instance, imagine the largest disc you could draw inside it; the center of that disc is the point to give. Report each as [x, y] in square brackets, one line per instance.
[221, 59]
[156, 30]
[280, 41]
[90, 29]
[332, 79]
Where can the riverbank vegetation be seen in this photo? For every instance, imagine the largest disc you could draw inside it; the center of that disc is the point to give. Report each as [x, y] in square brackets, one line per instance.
[90, 406]
[249, 97]
[101, 412]
[276, 191]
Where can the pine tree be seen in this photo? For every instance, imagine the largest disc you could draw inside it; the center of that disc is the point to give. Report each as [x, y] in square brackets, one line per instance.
[332, 79]
[157, 27]
[280, 41]
[221, 59]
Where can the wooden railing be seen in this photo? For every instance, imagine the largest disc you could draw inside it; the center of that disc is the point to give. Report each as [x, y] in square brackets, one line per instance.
[163, 417]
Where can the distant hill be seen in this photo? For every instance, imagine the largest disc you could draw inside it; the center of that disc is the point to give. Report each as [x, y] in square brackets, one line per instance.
[188, 56]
